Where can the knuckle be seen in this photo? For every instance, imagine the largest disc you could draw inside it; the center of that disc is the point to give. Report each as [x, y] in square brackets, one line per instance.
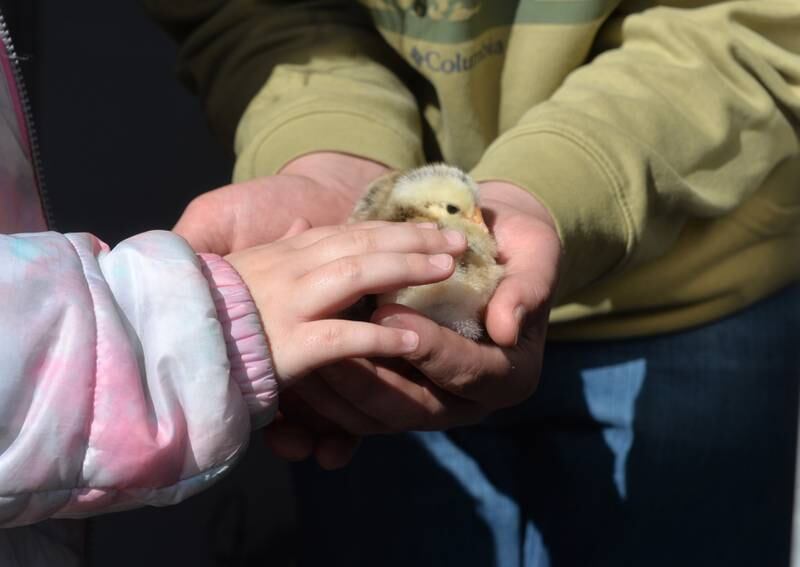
[424, 357]
[329, 337]
[340, 230]
[464, 379]
[364, 240]
[419, 239]
[349, 268]
[199, 205]
[458, 383]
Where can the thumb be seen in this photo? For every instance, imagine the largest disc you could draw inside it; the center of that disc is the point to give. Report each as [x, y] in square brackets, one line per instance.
[525, 292]
[202, 231]
[512, 301]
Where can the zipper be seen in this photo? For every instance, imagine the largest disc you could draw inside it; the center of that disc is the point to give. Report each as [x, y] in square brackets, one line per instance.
[30, 125]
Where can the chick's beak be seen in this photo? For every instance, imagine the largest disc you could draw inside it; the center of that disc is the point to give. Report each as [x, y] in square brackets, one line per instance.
[477, 218]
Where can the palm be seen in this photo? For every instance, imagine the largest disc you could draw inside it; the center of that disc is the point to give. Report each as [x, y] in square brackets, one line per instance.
[450, 380]
[247, 214]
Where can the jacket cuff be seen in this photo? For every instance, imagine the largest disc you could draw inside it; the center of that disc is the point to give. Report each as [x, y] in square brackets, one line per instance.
[323, 130]
[250, 358]
[573, 182]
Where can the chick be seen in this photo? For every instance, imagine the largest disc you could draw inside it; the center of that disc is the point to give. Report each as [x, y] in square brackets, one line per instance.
[449, 197]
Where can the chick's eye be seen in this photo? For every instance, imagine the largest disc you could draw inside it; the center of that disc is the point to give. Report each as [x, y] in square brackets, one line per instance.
[452, 209]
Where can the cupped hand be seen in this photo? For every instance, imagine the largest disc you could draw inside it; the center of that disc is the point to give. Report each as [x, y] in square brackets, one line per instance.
[321, 187]
[448, 380]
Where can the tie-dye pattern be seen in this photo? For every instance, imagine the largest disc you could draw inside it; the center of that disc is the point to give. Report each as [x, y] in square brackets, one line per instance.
[128, 377]
[116, 388]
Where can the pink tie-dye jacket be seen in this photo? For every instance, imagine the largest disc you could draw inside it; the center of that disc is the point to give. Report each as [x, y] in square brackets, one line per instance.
[128, 376]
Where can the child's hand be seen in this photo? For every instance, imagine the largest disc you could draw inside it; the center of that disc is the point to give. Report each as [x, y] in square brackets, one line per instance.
[300, 283]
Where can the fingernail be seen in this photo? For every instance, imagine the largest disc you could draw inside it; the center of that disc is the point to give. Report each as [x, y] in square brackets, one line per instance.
[453, 237]
[428, 225]
[441, 261]
[410, 340]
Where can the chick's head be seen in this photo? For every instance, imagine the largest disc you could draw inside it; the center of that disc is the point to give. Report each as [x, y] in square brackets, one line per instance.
[448, 197]
[439, 193]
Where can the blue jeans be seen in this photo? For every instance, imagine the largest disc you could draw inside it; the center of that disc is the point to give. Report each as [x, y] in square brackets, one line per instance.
[676, 450]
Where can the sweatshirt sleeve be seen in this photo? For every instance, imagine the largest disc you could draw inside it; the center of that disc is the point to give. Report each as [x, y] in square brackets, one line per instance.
[116, 389]
[293, 78]
[685, 119]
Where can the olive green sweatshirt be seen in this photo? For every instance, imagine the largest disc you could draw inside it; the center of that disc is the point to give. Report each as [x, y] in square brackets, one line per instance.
[663, 137]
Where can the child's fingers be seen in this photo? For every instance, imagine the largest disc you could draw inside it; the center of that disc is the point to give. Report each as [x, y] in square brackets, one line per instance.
[327, 341]
[322, 232]
[393, 237]
[337, 285]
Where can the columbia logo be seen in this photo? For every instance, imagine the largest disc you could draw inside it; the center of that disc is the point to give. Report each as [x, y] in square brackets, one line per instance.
[417, 57]
[437, 62]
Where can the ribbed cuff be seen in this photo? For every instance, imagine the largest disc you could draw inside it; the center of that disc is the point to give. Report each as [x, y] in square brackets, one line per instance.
[248, 352]
[578, 191]
[326, 131]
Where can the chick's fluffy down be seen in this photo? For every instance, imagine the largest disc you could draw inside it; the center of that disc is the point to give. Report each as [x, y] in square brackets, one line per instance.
[449, 197]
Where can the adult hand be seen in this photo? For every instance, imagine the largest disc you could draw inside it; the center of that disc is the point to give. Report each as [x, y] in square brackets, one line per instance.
[450, 380]
[320, 187]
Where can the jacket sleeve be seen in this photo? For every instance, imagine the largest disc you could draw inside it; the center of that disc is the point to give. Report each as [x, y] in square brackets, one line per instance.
[685, 119]
[303, 76]
[116, 388]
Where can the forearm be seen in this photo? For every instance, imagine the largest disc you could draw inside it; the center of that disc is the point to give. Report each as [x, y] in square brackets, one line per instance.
[117, 386]
[313, 76]
[685, 120]
[342, 102]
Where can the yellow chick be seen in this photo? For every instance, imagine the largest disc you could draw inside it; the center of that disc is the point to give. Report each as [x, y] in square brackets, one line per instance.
[449, 197]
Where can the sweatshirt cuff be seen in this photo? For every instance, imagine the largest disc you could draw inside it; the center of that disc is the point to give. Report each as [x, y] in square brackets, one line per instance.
[324, 130]
[573, 181]
[250, 358]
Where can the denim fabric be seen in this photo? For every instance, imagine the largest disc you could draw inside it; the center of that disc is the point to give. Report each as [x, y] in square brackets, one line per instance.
[671, 450]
